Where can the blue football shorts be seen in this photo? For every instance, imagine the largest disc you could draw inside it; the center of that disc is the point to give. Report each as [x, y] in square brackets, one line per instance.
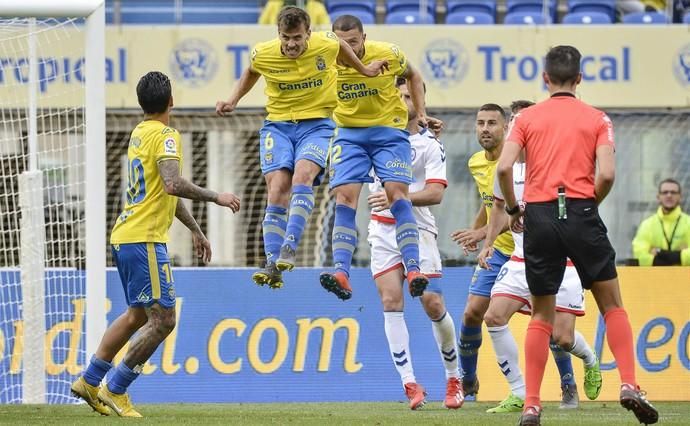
[145, 272]
[483, 280]
[284, 143]
[356, 150]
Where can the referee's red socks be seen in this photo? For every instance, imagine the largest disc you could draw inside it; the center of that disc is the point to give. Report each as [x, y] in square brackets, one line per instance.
[620, 338]
[536, 355]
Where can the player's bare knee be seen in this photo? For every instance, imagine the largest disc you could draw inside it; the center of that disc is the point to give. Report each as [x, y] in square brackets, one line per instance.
[165, 324]
[433, 305]
[136, 318]
[563, 339]
[472, 316]
[494, 319]
[279, 195]
[346, 197]
[391, 303]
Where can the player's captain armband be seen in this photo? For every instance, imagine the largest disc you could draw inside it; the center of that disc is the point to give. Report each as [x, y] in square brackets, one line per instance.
[170, 146]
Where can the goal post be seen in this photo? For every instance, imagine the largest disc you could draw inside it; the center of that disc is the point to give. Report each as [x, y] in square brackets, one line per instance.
[52, 168]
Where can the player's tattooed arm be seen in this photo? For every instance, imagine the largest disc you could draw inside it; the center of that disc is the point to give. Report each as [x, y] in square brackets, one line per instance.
[174, 184]
[184, 216]
[202, 247]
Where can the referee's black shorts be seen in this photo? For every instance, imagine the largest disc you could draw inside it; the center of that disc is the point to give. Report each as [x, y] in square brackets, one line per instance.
[582, 237]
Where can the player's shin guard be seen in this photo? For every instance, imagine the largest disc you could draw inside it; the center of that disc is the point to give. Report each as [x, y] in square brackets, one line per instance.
[507, 357]
[301, 206]
[444, 333]
[344, 237]
[536, 355]
[406, 233]
[470, 341]
[563, 362]
[399, 344]
[96, 371]
[123, 377]
[274, 225]
[620, 339]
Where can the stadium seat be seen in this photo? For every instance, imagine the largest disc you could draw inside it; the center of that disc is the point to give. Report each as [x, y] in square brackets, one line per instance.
[334, 6]
[393, 6]
[403, 17]
[471, 6]
[524, 18]
[645, 18]
[586, 18]
[532, 7]
[367, 18]
[686, 18]
[148, 12]
[602, 6]
[469, 18]
[215, 12]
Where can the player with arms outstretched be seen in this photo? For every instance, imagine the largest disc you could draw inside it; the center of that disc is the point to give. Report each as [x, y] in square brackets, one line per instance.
[372, 118]
[387, 263]
[300, 74]
[139, 249]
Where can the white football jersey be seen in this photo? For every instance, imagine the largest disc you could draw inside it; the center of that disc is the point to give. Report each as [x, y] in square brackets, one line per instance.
[519, 189]
[428, 166]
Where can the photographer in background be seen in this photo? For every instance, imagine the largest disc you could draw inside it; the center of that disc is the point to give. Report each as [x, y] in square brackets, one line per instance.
[663, 239]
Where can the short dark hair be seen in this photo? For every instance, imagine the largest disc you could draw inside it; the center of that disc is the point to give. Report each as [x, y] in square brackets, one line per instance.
[493, 107]
[347, 23]
[402, 80]
[670, 180]
[519, 105]
[291, 17]
[154, 92]
[562, 64]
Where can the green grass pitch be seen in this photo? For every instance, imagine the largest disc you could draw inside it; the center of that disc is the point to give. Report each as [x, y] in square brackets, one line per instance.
[331, 414]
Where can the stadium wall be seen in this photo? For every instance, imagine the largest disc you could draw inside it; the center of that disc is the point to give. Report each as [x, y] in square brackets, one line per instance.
[236, 342]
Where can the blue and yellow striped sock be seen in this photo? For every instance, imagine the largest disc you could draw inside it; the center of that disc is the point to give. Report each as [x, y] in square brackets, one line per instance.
[470, 341]
[406, 233]
[301, 205]
[564, 364]
[344, 237]
[273, 227]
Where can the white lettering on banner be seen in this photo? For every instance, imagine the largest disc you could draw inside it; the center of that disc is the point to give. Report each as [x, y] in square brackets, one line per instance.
[64, 69]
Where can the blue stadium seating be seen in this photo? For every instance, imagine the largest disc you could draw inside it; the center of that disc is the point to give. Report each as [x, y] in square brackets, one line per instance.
[393, 6]
[524, 18]
[364, 16]
[531, 6]
[215, 12]
[148, 12]
[469, 18]
[471, 6]
[603, 6]
[686, 18]
[645, 18]
[334, 6]
[586, 18]
[403, 17]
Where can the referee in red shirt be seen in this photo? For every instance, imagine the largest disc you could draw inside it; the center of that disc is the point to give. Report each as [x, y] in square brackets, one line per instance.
[564, 140]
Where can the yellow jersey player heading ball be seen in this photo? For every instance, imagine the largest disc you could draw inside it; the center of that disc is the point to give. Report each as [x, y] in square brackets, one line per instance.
[299, 68]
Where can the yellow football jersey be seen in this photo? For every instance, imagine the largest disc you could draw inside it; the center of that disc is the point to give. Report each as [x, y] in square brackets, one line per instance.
[149, 210]
[302, 88]
[372, 101]
[483, 171]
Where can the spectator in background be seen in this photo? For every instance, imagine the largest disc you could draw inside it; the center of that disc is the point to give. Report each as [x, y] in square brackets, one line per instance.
[663, 239]
[315, 9]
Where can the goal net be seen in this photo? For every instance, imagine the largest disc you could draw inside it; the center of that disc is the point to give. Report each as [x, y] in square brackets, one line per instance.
[651, 145]
[49, 197]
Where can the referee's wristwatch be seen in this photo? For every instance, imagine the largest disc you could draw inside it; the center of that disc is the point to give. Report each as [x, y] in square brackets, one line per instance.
[513, 210]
